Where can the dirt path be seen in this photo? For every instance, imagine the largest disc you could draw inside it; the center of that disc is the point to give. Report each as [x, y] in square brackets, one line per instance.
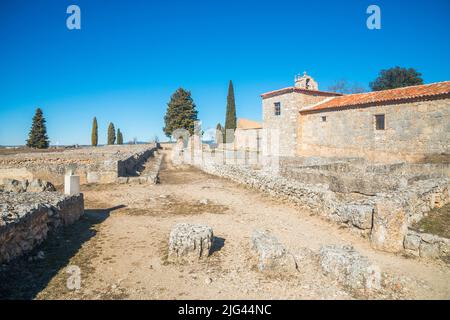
[121, 243]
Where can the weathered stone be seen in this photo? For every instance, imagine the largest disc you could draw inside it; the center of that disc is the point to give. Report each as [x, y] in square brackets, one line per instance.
[349, 267]
[71, 185]
[390, 225]
[272, 255]
[93, 177]
[360, 215]
[27, 217]
[122, 180]
[35, 185]
[38, 185]
[429, 250]
[412, 242]
[190, 242]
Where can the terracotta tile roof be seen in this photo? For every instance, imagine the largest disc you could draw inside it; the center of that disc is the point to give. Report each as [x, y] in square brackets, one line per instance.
[295, 89]
[246, 124]
[437, 90]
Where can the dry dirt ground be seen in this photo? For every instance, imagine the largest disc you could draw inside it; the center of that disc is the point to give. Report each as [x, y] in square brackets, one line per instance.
[120, 246]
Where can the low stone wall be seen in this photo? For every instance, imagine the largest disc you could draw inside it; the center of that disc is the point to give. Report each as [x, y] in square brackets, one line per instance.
[26, 218]
[93, 164]
[149, 175]
[347, 175]
[426, 245]
[133, 165]
[384, 217]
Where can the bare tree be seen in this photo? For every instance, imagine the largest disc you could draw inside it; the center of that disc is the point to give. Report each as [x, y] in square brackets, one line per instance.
[343, 86]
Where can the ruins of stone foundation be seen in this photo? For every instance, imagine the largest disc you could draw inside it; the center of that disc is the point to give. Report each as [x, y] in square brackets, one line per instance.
[31, 208]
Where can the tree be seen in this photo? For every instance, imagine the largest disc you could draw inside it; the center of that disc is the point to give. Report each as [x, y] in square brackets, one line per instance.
[219, 133]
[37, 138]
[396, 77]
[230, 119]
[342, 86]
[111, 133]
[181, 113]
[119, 137]
[94, 134]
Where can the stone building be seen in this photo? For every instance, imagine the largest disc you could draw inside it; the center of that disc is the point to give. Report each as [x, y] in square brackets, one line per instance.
[248, 135]
[407, 124]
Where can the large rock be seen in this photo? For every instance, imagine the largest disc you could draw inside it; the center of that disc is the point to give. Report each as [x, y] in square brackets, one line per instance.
[190, 242]
[359, 215]
[390, 226]
[349, 267]
[272, 255]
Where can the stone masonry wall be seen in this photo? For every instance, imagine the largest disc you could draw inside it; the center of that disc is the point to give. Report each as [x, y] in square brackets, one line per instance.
[26, 218]
[287, 121]
[94, 165]
[412, 132]
[385, 217]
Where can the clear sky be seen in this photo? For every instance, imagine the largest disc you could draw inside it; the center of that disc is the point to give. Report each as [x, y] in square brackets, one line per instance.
[129, 57]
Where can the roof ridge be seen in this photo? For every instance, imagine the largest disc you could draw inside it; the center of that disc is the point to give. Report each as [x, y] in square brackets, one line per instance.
[399, 88]
[436, 89]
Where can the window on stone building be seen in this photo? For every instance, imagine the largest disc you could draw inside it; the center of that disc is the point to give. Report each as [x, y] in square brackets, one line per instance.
[277, 108]
[324, 119]
[379, 122]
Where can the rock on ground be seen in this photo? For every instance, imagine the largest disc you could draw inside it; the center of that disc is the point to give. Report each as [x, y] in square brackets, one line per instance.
[349, 267]
[35, 185]
[272, 255]
[190, 242]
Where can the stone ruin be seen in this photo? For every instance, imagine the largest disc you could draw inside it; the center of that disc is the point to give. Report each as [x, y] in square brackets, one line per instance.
[380, 201]
[35, 185]
[106, 164]
[190, 242]
[26, 218]
[272, 255]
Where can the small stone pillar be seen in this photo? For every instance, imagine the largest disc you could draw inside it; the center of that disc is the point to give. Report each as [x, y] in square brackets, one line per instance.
[71, 184]
[390, 226]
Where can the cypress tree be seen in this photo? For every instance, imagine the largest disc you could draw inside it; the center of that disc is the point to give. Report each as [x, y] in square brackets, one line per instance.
[181, 112]
[119, 137]
[94, 134]
[37, 138]
[111, 133]
[230, 119]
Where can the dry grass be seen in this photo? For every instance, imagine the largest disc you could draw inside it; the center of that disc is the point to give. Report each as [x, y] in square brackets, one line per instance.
[437, 222]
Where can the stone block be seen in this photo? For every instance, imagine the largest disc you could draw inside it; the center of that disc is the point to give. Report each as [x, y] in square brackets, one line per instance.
[122, 180]
[349, 267]
[390, 225]
[412, 242]
[272, 255]
[93, 177]
[429, 250]
[71, 185]
[189, 242]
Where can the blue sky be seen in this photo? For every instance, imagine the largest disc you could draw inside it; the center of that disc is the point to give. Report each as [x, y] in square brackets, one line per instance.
[129, 57]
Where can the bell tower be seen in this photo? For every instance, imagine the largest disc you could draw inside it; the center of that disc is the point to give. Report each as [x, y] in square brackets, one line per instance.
[306, 82]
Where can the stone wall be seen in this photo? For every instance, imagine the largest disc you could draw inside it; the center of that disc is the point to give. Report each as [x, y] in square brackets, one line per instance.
[94, 165]
[287, 121]
[150, 174]
[413, 132]
[384, 215]
[248, 139]
[26, 218]
[357, 175]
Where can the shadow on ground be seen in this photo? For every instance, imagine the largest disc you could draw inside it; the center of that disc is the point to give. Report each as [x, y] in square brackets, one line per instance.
[24, 279]
[217, 244]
